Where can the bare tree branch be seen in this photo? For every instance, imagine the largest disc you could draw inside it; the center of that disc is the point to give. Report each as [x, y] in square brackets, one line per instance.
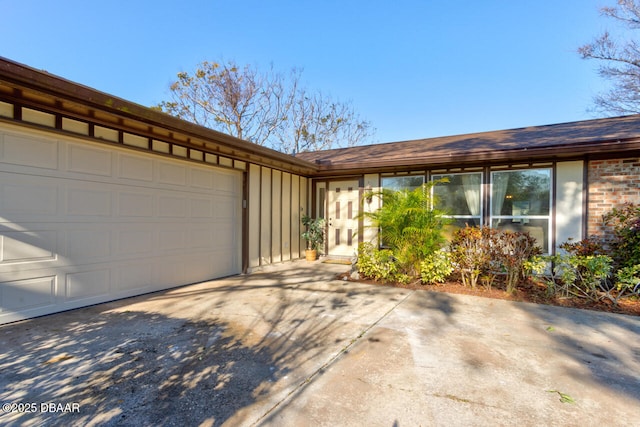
[621, 62]
[268, 108]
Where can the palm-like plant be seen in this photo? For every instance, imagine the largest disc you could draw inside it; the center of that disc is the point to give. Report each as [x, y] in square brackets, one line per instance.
[408, 224]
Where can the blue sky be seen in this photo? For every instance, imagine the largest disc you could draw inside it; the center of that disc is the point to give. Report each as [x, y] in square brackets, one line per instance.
[415, 69]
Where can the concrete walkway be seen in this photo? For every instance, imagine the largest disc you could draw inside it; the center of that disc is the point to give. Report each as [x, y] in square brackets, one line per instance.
[293, 347]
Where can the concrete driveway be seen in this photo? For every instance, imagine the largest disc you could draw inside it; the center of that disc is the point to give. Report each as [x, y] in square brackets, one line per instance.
[294, 347]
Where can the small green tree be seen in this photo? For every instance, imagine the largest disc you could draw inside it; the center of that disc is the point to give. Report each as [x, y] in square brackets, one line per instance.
[409, 225]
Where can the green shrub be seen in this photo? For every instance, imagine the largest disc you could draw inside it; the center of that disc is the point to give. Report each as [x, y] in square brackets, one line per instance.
[628, 281]
[436, 268]
[583, 276]
[589, 246]
[408, 225]
[488, 253]
[625, 244]
[379, 265]
[469, 255]
[514, 250]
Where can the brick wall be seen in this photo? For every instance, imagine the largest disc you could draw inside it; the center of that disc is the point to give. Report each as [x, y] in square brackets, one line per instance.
[611, 184]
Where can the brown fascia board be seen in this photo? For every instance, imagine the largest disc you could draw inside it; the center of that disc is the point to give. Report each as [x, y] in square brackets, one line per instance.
[41, 81]
[584, 139]
[605, 149]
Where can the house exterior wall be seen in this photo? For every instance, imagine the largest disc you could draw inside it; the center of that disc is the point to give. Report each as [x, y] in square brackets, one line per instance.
[276, 202]
[568, 196]
[276, 199]
[569, 209]
[612, 183]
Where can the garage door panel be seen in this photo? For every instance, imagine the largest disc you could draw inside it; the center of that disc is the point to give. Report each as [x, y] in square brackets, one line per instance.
[196, 265]
[108, 223]
[134, 277]
[87, 284]
[225, 262]
[135, 204]
[135, 241]
[89, 160]
[202, 208]
[88, 200]
[225, 184]
[170, 272]
[224, 235]
[18, 295]
[202, 238]
[28, 199]
[28, 246]
[225, 209]
[170, 206]
[137, 168]
[36, 152]
[201, 178]
[172, 173]
[172, 240]
[88, 245]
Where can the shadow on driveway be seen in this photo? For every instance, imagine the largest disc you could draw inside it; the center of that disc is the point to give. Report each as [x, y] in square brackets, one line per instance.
[196, 355]
[293, 346]
[597, 348]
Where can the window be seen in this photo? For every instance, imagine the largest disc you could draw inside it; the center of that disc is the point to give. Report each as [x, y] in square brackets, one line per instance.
[406, 182]
[399, 183]
[521, 201]
[460, 197]
[321, 201]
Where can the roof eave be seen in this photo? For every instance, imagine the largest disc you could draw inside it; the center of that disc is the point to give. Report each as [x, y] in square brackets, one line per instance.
[27, 78]
[540, 154]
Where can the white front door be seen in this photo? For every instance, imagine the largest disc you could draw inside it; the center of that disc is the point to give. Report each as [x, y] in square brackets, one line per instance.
[342, 212]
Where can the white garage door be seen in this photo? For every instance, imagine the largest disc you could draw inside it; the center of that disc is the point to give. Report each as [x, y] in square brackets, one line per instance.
[83, 223]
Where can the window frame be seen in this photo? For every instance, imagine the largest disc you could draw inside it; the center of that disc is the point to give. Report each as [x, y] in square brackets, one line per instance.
[410, 175]
[548, 217]
[480, 217]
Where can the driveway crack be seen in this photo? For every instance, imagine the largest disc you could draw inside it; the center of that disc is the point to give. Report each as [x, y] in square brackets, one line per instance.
[331, 361]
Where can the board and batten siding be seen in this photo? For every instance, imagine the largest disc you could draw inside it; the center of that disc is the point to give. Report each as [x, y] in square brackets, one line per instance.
[277, 201]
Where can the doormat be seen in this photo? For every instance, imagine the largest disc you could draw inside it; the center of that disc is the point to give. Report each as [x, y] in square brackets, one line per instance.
[337, 261]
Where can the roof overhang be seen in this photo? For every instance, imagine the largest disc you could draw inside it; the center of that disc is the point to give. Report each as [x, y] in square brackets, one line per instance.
[599, 150]
[588, 139]
[24, 86]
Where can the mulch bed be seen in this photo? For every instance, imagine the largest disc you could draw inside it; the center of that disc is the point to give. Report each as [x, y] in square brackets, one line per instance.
[530, 291]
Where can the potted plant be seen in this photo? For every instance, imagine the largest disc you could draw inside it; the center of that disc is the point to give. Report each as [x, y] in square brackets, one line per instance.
[314, 235]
